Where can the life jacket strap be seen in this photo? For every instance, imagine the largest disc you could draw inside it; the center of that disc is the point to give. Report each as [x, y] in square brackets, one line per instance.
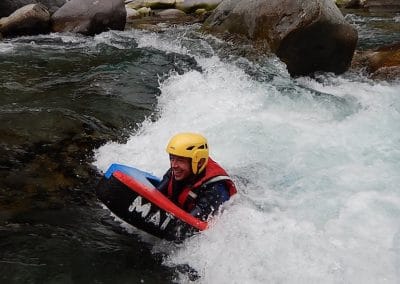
[188, 192]
[215, 179]
[193, 195]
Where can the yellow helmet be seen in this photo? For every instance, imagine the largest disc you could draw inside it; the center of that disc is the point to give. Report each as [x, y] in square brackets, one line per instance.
[190, 145]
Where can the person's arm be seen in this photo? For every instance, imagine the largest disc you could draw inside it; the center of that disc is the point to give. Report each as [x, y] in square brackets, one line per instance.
[209, 200]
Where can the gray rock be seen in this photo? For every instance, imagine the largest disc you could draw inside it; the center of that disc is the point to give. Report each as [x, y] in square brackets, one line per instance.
[29, 20]
[159, 4]
[145, 12]
[190, 6]
[154, 4]
[170, 13]
[90, 17]
[350, 4]
[9, 6]
[308, 35]
[131, 14]
[135, 4]
[52, 5]
[391, 73]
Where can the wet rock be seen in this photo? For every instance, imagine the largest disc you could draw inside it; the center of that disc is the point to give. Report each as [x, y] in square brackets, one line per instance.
[382, 63]
[387, 74]
[155, 23]
[131, 14]
[386, 56]
[52, 5]
[371, 5]
[29, 20]
[386, 5]
[90, 17]
[154, 4]
[46, 168]
[7, 7]
[144, 11]
[200, 12]
[350, 4]
[136, 4]
[308, 36]
[170, 13]
[190, 6]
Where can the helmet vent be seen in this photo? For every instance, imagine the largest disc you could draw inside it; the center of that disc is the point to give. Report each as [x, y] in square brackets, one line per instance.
[190, 148]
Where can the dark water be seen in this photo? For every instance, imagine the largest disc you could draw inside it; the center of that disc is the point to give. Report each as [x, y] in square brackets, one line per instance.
[62, 96]
[70, 245]
[59, 101]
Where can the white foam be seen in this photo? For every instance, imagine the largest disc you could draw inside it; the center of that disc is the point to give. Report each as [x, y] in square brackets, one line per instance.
[6, 47]
[318, 176]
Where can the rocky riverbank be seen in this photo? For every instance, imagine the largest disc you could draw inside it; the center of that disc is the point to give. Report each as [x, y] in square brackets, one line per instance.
[307, 36]
[370, 5]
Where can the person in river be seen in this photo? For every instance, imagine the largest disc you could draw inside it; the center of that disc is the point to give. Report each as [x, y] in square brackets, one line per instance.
[195, 182]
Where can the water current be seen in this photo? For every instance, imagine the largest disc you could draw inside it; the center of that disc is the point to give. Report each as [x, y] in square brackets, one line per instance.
[316, 160]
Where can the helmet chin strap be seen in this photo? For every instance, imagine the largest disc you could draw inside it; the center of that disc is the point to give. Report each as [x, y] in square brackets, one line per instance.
[200, 164]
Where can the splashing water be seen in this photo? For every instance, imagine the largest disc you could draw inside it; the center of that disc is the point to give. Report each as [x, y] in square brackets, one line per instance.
[316, 161]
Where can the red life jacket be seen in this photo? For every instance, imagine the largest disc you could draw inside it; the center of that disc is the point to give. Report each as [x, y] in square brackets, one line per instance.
[213, 173]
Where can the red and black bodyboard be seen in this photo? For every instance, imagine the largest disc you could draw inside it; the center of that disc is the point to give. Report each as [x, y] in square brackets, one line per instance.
[131, 195]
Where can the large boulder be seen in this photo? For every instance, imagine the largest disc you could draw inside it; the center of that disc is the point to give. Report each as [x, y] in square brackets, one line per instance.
[90, 17]
[7, 7]
[29, 20]
[308, 35]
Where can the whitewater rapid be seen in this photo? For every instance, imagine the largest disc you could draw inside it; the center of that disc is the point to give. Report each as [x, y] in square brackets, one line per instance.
[316, 162]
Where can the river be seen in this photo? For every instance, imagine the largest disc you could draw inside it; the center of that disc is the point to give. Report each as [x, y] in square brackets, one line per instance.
[316, 160]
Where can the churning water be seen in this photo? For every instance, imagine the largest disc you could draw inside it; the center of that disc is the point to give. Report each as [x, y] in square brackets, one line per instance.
[316, 160]
[317, 163]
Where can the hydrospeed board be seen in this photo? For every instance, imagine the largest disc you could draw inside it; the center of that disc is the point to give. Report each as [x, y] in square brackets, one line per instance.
[131, 194]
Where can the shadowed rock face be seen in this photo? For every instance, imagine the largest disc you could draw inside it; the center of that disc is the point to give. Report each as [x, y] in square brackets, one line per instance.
[7, 7]
[319, 47]
[28, 20]
[308, 36]
[90, 17]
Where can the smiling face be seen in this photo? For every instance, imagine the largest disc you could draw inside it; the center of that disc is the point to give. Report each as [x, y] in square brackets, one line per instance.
[181, 167]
